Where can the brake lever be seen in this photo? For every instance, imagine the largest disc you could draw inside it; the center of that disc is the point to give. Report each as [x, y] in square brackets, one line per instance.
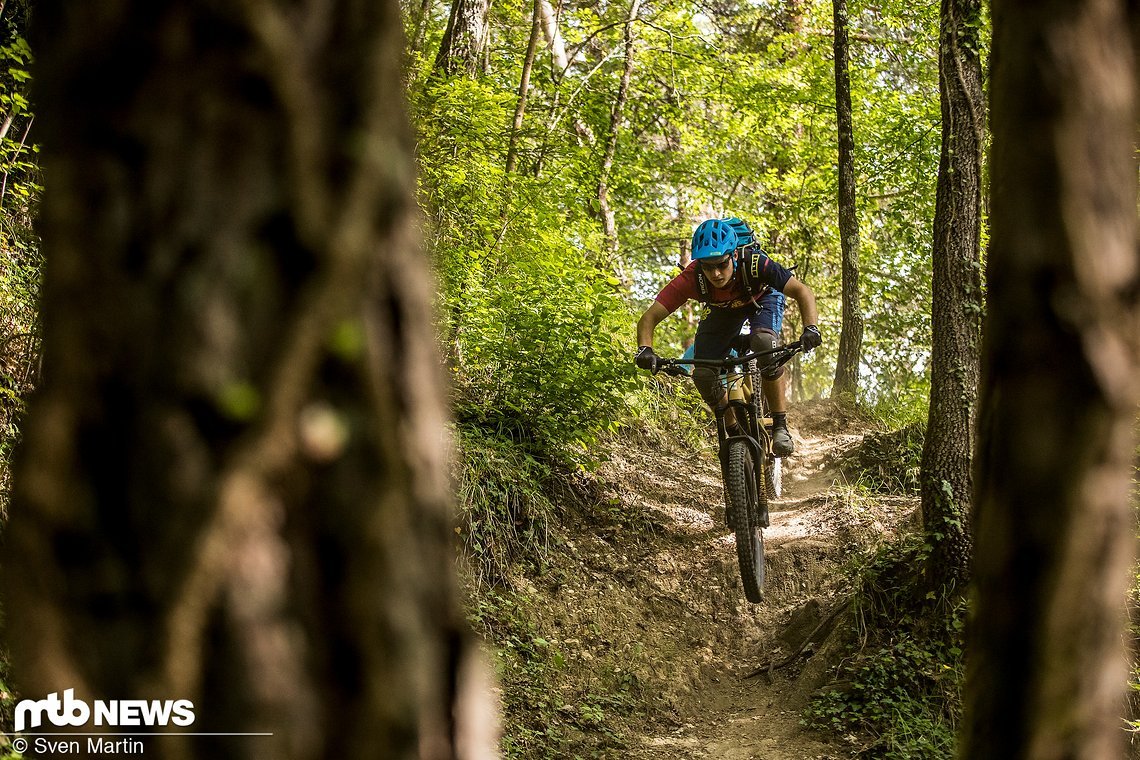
[675, 370]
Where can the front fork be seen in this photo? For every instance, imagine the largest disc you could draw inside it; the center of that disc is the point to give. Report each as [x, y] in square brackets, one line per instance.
[757, 450]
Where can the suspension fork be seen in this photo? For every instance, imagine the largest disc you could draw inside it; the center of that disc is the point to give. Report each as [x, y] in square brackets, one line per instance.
[747, 418]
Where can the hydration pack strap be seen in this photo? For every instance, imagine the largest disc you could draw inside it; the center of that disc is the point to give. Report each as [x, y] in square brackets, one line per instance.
[703, 286]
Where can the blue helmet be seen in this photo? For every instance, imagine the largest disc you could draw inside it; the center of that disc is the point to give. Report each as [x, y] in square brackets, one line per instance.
[713, 238]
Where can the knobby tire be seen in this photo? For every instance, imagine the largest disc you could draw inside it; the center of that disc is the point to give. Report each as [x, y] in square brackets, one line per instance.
[773, 478]
[745, 492]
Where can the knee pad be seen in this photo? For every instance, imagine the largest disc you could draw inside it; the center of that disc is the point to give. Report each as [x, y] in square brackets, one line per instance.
[764, 340]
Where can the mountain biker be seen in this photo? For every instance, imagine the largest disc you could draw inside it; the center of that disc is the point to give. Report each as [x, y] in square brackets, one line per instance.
[740, 285]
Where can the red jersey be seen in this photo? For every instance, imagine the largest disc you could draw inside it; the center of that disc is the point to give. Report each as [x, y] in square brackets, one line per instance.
[684, 286]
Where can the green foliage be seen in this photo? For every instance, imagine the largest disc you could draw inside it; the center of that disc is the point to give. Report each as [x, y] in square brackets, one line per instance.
[504, 512]
[20, 267]
[887, 462]
[908, 405]
[541, 358]
[537, 333]
[19, 173]
[900, 683]
[730, 111]
[20, 259]
[671, 411]
[550, 711]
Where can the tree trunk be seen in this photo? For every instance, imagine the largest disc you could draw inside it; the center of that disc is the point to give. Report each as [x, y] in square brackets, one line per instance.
[232, 488]
[464, 43]
[561, 65]
[851, 332]
[524, 87]
[617, 118]
[421, 26]
[554, 39]
[956, 306]
[1054, 530]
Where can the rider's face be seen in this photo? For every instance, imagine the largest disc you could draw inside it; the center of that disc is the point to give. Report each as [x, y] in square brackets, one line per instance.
[718, 271]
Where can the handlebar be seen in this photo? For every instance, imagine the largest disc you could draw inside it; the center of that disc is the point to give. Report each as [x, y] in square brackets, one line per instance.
[782, 354]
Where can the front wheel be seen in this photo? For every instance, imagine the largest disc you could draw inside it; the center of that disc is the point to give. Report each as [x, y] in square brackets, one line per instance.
[746, 504]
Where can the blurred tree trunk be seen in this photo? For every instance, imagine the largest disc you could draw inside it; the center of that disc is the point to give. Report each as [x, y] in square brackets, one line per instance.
[851, 332]
[1054, 531]
[464, 44]
[956, 306]
[232, 488]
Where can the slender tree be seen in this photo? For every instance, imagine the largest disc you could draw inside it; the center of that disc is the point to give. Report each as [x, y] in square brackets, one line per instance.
[851, 332]
[560, 66]
[232, 489]
[1054, 529]
[617, 119]
[558, 58]
[956, 305]
[422, 20]
[524, 87]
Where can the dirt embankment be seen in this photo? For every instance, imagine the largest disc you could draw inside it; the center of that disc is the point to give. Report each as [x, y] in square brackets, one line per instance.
[648, 598]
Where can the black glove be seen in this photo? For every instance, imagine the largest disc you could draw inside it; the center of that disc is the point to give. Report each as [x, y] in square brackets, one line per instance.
[645, 358]
[810, 338]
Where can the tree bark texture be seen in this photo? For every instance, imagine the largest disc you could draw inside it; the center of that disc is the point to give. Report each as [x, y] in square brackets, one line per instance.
[846, 381]
[461, 51]
[232, 488]
[1054, 531]
[956, 305]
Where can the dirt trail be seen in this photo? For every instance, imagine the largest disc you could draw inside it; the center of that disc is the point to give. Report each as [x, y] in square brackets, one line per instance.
[719, 713]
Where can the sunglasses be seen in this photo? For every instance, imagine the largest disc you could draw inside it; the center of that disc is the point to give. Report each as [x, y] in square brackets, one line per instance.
[715, 266]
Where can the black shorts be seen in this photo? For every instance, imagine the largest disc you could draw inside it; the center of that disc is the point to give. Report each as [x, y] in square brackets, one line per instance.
[719, 328]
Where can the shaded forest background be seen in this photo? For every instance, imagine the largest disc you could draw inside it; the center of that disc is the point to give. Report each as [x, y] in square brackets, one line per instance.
[639, 121]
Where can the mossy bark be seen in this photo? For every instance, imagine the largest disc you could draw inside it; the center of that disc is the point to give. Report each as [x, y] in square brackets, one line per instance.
[233, 488]
[956, 305]
[846, 383]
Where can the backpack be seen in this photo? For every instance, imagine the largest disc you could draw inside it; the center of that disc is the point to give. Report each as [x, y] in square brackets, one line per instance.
[749, 259]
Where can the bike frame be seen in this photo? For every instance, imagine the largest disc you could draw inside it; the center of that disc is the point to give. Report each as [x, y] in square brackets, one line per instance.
[748, 411]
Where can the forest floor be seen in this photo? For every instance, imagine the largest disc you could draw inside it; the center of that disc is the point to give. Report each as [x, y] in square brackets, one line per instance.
[644, 604]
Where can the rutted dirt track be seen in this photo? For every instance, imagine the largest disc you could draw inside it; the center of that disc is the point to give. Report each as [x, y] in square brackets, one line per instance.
[687, 578]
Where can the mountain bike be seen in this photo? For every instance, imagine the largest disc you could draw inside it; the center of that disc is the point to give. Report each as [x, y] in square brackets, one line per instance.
[748, 466]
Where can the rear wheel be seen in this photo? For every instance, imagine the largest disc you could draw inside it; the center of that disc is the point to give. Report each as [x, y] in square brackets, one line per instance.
[773, 478]
[747, 502]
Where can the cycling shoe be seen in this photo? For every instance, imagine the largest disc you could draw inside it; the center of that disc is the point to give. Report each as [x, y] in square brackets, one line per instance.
[782, 444]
